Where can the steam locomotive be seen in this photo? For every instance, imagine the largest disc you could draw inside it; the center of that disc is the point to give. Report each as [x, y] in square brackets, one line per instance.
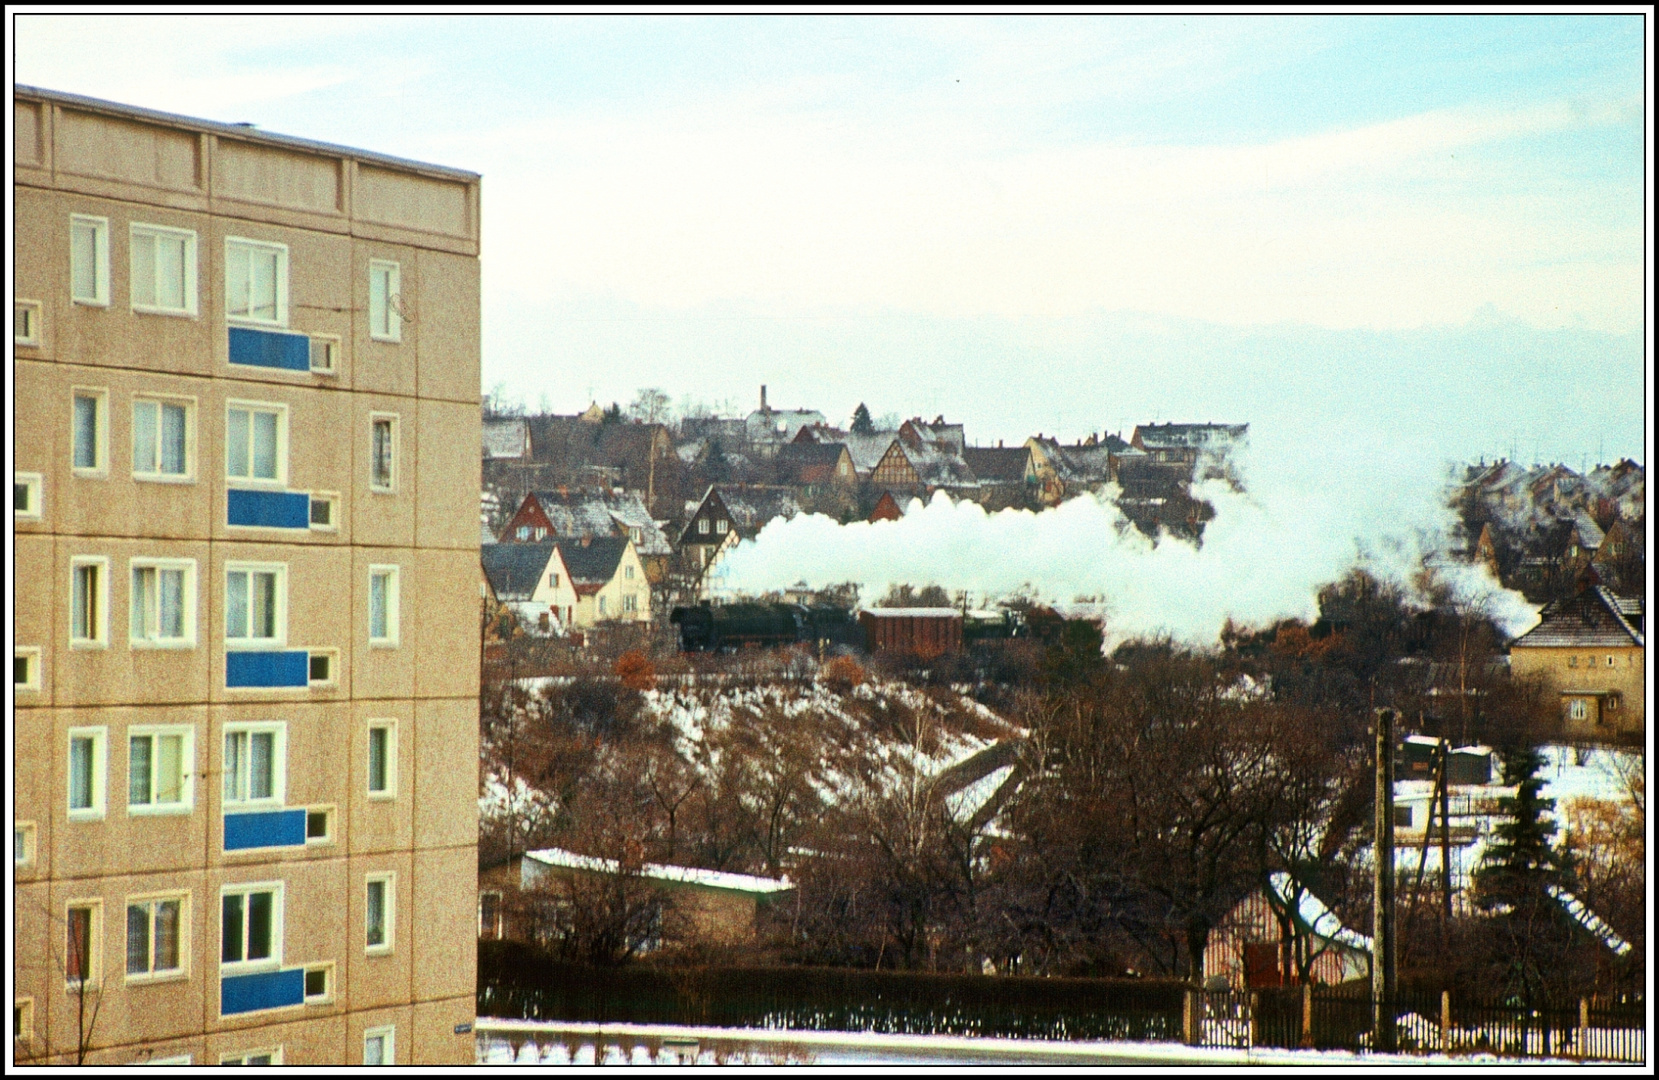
[705, 628]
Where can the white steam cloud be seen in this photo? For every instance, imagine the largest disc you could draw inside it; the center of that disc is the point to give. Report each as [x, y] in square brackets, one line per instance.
[1312, 509]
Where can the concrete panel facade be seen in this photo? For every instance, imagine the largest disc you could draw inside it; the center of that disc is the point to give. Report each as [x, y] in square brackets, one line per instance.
[148, 773]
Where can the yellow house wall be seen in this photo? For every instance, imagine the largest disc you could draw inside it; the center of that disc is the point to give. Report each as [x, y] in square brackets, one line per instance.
[1587, 670]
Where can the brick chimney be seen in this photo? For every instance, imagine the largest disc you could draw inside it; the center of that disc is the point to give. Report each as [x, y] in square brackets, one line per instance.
[762, 397]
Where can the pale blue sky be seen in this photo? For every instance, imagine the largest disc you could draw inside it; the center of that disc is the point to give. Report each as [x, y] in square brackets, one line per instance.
[1429, 228]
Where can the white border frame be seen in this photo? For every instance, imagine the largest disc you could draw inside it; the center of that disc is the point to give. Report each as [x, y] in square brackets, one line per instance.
[100, 258]
[281, 249]
[192, 304]
[187, 765]
[188, 641]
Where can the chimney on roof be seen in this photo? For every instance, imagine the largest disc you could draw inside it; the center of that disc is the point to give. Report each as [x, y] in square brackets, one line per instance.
[586, 540]
[999, 444]
[762, 397]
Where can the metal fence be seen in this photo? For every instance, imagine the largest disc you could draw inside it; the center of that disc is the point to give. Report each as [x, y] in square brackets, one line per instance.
[1334, 1018]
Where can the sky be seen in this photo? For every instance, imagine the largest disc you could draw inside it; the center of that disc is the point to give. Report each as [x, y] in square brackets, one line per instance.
[1422, 231]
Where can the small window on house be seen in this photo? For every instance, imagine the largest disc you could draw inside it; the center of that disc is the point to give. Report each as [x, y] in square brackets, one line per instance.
[320, 667]
[256, 605]
[163, 603]
[552, 581]
[26, 322]
[319, 984]
[87, 763]
[601, 605]
[1578, 709]
[26, 668]
[628, 572]
[81, 940]
[160, 769]
[1402, 817]
[254, 765]
[721, 526]
[319, 825]
[1611, 661]
[383, 454]
[377, 1046]
[325, 354]
[322, 510]
[256, 442]
[88, 602]
[89, 260]
[523, 532]
[382, 759]
[23, 1019]
[1572, 661]
[161, 439]
[541, 533]
[385, 322]
[155, 936]
[702, 526]
[90, 432]
[23, 843]
[1613, 702]
[163, 270]
[630, 603]
[26, 489]
[256, 282]
[378, 898]
[383, 606]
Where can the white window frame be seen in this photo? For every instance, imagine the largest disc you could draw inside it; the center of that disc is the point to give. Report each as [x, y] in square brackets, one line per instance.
[329, 345]
[171, 1059]
[25, 841]
[387, 879]
[34, 486]
[156, 476]
[330, 817]
[628, 571]
[388, 1046]
[30, 655]
[143, 228]
[390, 790]
[630, 603]
[333, 658]
[279, 766]
[100, 260]
[391, 312]
[100, 773]
[281, 411]
[99, 634]
[375, 485]
[1578, 709]
[242, 1057]
[327, 996]
[702, 526]
[25, 1007]
[165, 974]
[26, 323]
[332, 498]
[188, 566]
[280, 618]
[244, 966]
[281, 298]
[394, 576]
[187, 769]
[99, 469]
[95, 943]
[722, 527]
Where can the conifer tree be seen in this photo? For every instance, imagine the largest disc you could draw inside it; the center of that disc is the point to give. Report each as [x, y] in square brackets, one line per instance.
[862, 425]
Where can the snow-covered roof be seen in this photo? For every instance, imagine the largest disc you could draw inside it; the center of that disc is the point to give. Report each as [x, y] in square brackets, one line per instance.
[1314, 914]
[1588, 919]
[679, 875]
[506, 439]
[914, 612]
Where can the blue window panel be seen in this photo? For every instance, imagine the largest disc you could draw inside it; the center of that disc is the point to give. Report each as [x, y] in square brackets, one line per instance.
[263, 990]
[268, 509]
[267, 828]
[270, 348]
[275, 669]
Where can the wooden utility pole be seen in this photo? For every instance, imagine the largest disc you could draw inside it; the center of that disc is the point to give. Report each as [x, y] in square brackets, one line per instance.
[1382, 913]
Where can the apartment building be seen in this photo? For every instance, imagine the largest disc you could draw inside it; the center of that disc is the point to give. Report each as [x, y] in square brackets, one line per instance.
[246, 672]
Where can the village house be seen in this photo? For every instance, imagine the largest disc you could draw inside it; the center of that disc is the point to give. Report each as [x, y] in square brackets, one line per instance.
[704, 907]
[728, 513]
[1589, 651]
[532, 581]
[887, 508]
[767, 429]
[1184, 443]
[575, 583]
[1283, 934]
[1007, 476]
[574, 514]
[816, 465]
[589, 449]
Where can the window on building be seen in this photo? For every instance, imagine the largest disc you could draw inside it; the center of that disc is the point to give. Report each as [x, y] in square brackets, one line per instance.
[383, 454]
[269, 1056]
[383, 605]
[552, 581]
[159, 769]
[26, 668]
[1578, 709]
[163, 603]
[26, 489]
[89, 260]
[87, 757]
[702, 526]
[385, 322]
[319, 984]
[26, 322]
[254, 765]
[319, 825]
[601, 605]
[1572, 661]
[721, 526]
[378, 898]
[256, 281]
[80, 945]
[377, 1046]
[630, 604]
[628, 572]
[163, 270]
[320, 670]
[522, 532]
[154, 936]
[256, 604]
[161, 440]
[325, 354]
[23, 843]
[23, 1019]
[88, 601]
[250, 926]
[90, 432]
[256, 442]
[541, 533]
[382, 758]
[322, 510]
[1611, 661]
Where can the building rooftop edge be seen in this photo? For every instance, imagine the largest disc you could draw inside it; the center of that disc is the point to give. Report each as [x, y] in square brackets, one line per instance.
[250, 134]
